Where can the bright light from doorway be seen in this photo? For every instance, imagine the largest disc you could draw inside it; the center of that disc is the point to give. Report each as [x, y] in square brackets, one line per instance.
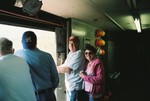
[46, 40]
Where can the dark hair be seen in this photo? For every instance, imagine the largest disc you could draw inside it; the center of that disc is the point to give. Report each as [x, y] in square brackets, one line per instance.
[91, 48]
[29, 40]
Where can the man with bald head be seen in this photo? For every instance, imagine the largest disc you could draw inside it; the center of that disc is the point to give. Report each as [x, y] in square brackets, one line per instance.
[15, 78]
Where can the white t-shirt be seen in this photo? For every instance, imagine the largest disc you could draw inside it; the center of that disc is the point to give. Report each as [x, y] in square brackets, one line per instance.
[15, 79]
[74, 60]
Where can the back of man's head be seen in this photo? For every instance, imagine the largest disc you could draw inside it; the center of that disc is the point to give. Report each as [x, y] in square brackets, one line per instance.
[5, 45]
[29, 40]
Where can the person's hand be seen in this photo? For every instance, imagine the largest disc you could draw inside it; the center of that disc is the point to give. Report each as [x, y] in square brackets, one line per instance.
[82, 74]
[58, 69]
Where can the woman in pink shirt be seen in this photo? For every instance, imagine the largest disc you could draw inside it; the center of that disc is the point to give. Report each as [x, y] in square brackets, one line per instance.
[93, 75]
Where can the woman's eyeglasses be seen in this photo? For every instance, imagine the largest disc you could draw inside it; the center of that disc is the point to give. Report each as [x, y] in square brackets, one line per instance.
[88, 53]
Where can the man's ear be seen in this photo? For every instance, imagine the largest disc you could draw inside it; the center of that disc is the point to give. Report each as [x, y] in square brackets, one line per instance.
[13, 50]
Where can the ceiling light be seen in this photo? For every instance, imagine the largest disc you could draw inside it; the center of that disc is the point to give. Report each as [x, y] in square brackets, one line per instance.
[137, 24]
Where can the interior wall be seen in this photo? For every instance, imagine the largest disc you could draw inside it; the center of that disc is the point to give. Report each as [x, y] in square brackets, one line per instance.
[83, 31]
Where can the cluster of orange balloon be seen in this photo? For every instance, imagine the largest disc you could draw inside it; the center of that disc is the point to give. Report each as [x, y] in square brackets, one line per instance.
[99, 42]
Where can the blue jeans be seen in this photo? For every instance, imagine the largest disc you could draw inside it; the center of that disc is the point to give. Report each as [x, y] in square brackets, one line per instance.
[77, 95]
[91, 98]
[48, 96]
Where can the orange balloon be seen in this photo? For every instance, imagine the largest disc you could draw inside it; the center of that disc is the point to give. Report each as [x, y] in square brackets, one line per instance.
[103, 52]
[99, 33]
[103, 42]
[100, 42]
[102, 33]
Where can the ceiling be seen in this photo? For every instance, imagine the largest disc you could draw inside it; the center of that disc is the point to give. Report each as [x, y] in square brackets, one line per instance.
[105, 14]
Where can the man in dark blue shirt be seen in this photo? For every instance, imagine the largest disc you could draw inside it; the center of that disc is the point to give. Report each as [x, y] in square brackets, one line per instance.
[43, 68]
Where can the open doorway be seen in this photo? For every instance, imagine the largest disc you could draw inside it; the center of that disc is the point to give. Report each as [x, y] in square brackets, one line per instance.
[46, 40]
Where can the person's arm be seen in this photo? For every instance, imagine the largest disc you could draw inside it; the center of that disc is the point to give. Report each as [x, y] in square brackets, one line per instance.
[63, 69]
[96, 78]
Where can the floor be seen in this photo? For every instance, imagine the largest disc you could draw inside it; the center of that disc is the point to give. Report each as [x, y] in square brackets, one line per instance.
[132, 87]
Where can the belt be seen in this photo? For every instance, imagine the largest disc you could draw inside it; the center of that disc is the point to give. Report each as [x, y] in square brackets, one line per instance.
[43, 91]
